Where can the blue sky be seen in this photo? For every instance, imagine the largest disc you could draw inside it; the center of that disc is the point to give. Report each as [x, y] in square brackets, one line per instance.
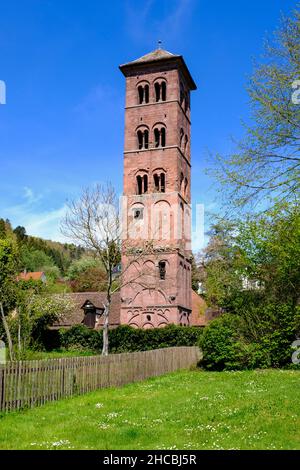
[61, 128]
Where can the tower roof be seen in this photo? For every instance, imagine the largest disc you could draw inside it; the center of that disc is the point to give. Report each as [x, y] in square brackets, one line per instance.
[158, 54]
[157, 57]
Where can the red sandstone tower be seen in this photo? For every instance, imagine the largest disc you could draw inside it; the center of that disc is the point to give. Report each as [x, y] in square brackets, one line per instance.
[157, 192]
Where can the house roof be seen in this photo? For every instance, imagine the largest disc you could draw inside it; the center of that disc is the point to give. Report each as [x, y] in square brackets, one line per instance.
[35, 276]
[97, 299]
[156, 57]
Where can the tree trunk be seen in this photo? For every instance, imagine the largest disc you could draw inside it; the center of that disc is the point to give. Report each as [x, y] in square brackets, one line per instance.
[7, 332]
[105, 329]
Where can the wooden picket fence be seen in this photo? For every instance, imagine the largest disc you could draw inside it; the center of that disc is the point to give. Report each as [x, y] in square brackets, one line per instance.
[33, 383]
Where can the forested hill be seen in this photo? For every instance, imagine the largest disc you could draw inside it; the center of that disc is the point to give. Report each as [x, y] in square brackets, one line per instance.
[37, 254]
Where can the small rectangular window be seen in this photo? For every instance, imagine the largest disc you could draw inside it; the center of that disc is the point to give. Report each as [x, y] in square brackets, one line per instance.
[162, 270]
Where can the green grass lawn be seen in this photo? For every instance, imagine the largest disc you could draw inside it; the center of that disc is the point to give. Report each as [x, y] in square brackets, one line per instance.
[183, 410]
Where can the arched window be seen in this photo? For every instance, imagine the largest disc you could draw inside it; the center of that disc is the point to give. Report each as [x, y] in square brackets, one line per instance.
[143, 94]
[182, 221]
[181, 94]
[160, 89]
[181, 137]
[156, 137]
[186, 140]
[141, 184]
[162, 182]
[157, 91]
[159, 137]
[185, 186]
[140, 136]
[187, 101]
[145, 183]
[163, 137]
[159, 182]
[146, 139]
[156, 182]
[143, 139]
[163, 91]
[181, 182]
[162, 270]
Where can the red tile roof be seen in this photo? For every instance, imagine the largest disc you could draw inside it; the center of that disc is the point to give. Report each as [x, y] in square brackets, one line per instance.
[35, 276]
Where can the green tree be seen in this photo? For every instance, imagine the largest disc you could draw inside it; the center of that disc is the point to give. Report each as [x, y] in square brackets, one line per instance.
[270, 246]
[8, 269]
[256, 257]
[77, 267]
[2, 229]
[20, 233]
[221, 258]
[266, 162]
[34, 260]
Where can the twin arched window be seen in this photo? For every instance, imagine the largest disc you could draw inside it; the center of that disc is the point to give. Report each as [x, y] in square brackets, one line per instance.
[142, 184]
[160, 92]
[159, 182]
[160, 137]
[143, 139]
[143, 93]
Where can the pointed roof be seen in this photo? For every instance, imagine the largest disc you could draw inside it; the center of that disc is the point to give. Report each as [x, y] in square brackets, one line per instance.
[157, 57]
[158, 54]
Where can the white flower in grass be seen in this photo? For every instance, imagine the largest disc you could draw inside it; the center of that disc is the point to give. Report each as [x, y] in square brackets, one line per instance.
[104, 425]
[99, 405]
[60, 443]
[112, 415]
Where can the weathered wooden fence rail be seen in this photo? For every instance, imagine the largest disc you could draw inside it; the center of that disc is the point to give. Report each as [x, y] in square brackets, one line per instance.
[32, 383]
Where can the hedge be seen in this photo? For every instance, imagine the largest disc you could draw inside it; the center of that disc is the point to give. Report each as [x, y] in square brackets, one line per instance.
[127, 339]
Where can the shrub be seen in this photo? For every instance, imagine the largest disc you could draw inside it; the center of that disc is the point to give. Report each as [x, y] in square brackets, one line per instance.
[258, 337]
[273, 328]
[223, 345]
[79, 336]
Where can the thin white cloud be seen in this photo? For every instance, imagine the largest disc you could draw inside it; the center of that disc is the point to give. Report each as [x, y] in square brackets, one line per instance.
[98, 98]
[30, 196]
[166, 27]
[38, 223]
[46, 224]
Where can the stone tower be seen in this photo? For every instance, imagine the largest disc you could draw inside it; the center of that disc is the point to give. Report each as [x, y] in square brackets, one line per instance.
[157, 192]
